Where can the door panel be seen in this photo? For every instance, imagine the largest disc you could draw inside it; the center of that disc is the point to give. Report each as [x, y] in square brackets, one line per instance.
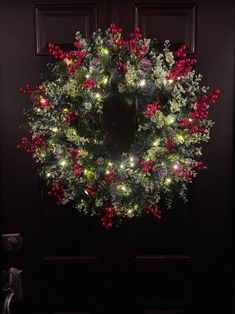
[70, 264]
[50, 19]
[157, 16]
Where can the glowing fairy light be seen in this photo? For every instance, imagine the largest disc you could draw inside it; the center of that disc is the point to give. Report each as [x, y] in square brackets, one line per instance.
[142, 83]
[87, 75]
[68, 61]
[43, 101]
[121, 166]
[175, 167]
[105, 80]
[51, 142]
[107, 172]
[110, 164]
[131, 211]
[156, 143]
[97, 96]
[190, 120]
[104, 51]
[170, 81]
[38, 110]
[54, 129]
[180, 138]
[48, 174]
[123, 188]
[65, 110]
[168, 181]
[74, 132]
[132, 164]
[170, 119]
[63, 162]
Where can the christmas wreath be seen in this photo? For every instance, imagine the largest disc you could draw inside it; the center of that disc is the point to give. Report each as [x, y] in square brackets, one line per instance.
[66, 138]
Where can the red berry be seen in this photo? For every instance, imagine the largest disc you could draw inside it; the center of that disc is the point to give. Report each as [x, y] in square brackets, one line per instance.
[136, 30]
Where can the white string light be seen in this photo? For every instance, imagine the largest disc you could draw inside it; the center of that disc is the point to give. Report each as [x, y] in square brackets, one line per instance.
[63, 162]
[142, 83]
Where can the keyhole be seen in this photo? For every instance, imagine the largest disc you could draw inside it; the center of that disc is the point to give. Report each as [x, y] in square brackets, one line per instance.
[119, 122]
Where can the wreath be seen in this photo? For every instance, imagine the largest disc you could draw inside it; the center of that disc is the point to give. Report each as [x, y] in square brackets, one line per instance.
[66, 138]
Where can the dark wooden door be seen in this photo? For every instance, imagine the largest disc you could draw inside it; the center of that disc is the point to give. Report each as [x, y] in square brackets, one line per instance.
[69, 264]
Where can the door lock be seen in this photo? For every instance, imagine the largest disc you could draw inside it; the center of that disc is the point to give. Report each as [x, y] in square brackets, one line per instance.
[11, 242]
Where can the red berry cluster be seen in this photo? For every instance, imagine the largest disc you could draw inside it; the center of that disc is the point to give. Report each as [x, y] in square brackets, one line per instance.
[193, 125]
[146, 165]
[89, 83]
[79, 55]
[77, 168]
[39, 100]
[74, 154]
[139, 49]
[170, 145]
[57, 52]
[213, 96]
[152, 108]
[26, 90]
[24, 142]
[200, 113]
[110, 177]
[107, 214]
[116, 38]
[71, 117]
[122, 66]
[182, 172]
[202, 105]
[43, 102]
[181, 52]
[114, 29]
[57, 190]
[75, 56]
[37, 95]
[77, 44]
[153, 210]
[198, 165]
[121, 42]
[34, 145]
[90, 190]
[182, 67]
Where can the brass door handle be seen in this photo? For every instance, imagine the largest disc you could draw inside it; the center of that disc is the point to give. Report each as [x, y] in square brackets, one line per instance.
[12, 288]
